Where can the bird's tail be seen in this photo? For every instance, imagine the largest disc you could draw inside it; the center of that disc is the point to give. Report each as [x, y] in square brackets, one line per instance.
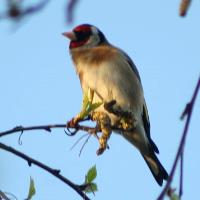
[157, 170]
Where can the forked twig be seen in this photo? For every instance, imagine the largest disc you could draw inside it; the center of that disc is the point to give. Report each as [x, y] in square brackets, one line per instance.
[186, 113]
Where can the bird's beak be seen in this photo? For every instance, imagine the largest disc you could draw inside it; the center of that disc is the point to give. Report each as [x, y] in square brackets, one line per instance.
[70, 35]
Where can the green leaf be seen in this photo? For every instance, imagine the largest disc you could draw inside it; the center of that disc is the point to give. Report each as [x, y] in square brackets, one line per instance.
[95, 106]
[91, 174]
[92, 187]
[85, 102]
[32, 190]
[88, 107]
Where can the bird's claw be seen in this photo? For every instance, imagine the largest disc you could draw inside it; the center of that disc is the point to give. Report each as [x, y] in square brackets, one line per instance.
[103, 145]
[100, 151]
[73, 122]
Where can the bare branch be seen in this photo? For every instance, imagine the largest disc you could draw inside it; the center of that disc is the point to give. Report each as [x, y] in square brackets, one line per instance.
[48, 127]
[45, 128]
[77, 127]
[16, 12]
[70, 10]
[187, 112]
[181, 176]
[54, 172]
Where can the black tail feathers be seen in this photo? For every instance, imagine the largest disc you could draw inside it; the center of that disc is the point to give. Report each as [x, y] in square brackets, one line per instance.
[156, 168]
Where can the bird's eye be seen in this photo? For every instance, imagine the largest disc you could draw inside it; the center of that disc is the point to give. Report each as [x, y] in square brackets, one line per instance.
[82, 35]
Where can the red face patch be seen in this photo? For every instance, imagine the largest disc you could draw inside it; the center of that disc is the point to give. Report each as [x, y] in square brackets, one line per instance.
[83, 33]
[75, 44]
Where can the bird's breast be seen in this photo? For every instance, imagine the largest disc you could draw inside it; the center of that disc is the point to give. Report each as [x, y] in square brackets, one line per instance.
[111, 78]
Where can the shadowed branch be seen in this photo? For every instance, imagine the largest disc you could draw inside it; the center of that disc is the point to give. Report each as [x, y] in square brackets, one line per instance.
[70, 10]
[54, 172]
[186, 113]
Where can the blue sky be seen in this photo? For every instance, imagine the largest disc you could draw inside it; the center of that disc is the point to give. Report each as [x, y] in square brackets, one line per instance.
[38, 85]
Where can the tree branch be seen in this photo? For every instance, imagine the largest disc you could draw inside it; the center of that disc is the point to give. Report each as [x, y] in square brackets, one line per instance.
[70, 10]
[54, 172]
[46, 128]
[15, 10]
[77, 127]
[187, 112]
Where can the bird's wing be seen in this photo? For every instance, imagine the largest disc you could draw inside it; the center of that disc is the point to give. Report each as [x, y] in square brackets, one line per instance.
[132, 65]
[146, 123]
[145, 115]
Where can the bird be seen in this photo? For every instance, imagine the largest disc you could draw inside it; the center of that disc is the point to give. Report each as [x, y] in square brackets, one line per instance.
[111, 75]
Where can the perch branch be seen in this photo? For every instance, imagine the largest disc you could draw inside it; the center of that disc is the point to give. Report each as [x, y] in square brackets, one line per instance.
[48, 127]
[45, 128]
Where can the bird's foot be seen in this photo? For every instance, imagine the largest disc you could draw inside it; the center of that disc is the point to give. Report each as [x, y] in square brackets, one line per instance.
[104, 122]
[73, 122]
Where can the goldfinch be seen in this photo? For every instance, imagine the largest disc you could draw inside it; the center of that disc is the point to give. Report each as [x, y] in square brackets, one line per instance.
[108, 75]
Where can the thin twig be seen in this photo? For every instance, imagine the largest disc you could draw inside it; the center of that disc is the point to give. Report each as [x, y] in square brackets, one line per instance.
[181, 176]
[54, 172]
[30, 128]
[16, 12]
[189, 109]
[45, 128]
[48, 127]
[70, 9]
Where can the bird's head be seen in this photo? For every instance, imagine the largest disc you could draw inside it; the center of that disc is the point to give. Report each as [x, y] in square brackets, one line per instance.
[85, 36]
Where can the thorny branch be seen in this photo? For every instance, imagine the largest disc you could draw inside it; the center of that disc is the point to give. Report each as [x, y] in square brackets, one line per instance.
[54, 172]
[186, 113]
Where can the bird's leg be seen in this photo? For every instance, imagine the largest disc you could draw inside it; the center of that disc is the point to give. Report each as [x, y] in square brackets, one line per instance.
[126, 120]
[104, 122]
[73, 122]
[86, 104]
